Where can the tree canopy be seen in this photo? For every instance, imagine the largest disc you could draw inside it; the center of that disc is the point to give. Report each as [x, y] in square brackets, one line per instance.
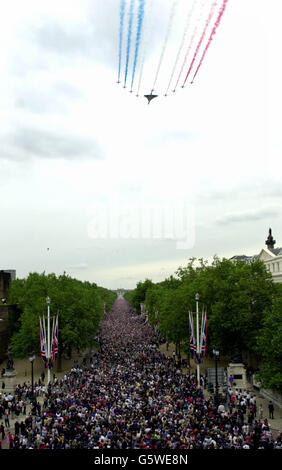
[79, 305]
[243, 307]
[269, 343]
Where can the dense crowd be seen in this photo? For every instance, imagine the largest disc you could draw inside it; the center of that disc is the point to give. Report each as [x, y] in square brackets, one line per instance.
[129, 395]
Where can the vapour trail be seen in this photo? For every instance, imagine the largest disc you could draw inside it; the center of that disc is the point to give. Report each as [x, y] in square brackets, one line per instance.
[171, 17]
[217, 22]
[138, 36]
[201, 39]
[147, 35]
[190, 43]
[129, 34]
[121, 27]
[187, 24]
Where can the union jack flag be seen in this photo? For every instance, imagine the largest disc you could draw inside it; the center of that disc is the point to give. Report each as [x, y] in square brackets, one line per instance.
[193, 347]
[43, 343]
[55, 343]
[198, 356]
[203, 341]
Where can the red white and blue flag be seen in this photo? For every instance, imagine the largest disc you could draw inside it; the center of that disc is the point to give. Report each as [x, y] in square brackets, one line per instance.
[49, 352]
[55, 343]
[198, 356]
[203, 341]
[193, 346]
[43, 342]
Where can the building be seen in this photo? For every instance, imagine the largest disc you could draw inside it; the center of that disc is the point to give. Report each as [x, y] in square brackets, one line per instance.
[5, 279]
[270, 256]
[6, 276]
[12, 272]
[246, 259]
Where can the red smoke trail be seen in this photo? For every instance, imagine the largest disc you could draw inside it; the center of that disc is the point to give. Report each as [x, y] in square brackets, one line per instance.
[190, 45]
[201, 39]
[188, 50]
[212, 34]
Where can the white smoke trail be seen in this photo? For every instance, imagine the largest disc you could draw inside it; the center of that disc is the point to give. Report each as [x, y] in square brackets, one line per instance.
[171, 17]
[186, 28]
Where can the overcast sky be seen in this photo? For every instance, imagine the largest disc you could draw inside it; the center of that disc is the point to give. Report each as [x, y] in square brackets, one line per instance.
[89, 171]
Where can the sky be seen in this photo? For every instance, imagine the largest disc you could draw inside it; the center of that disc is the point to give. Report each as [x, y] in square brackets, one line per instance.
[99, 184]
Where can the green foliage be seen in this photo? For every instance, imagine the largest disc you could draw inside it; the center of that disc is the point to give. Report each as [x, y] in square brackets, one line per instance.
[137, 295]
[107, 296]
[235, 296]
[269, 343]
[80, 306]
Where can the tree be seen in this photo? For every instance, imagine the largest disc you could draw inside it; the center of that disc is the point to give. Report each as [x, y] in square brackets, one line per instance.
[138, 295]
[78, 304]
[269, 343]
[239, 293]
[234, 295]
[173, 316]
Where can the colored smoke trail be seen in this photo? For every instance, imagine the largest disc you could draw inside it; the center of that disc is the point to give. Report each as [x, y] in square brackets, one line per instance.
[221, 11]
[201, 39]
[190, 43]
[129, 34]
[187, 24]
[147, 35]
[122, 11]
[165, 41]
[138, 36]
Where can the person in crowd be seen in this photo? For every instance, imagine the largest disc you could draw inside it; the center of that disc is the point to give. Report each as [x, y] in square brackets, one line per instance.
[271, 410]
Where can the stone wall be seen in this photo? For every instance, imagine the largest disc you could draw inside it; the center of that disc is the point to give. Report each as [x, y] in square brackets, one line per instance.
[5, 279]
[5, 331]
[7, 312]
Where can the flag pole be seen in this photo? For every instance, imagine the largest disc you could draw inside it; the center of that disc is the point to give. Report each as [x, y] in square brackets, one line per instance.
[48, 340]
[198, 342]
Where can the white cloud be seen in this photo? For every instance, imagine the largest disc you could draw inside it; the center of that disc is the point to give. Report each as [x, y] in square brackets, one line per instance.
[248, 216]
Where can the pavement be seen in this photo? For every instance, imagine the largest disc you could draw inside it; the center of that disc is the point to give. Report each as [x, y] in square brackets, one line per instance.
[276, 422]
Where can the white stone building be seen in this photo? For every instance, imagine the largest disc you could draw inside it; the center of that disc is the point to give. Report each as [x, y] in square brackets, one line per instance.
[270, 256]
[273, 261]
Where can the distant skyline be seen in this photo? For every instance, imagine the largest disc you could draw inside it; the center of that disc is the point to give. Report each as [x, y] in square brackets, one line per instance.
[78, 150]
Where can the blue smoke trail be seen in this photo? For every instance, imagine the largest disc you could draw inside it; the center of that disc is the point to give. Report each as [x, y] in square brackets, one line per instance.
[129, 38]
[138, 35]
[122, 11]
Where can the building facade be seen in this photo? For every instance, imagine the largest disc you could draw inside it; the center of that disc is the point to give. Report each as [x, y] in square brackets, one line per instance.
[273, 261]
[270, 256]
[6, 276]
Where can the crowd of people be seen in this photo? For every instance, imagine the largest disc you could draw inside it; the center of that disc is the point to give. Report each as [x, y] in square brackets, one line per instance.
[129, 395]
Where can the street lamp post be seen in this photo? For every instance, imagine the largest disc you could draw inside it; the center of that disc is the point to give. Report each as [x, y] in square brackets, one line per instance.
[31, 358]
[197, 339]
[216, 354]
[48, 352]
